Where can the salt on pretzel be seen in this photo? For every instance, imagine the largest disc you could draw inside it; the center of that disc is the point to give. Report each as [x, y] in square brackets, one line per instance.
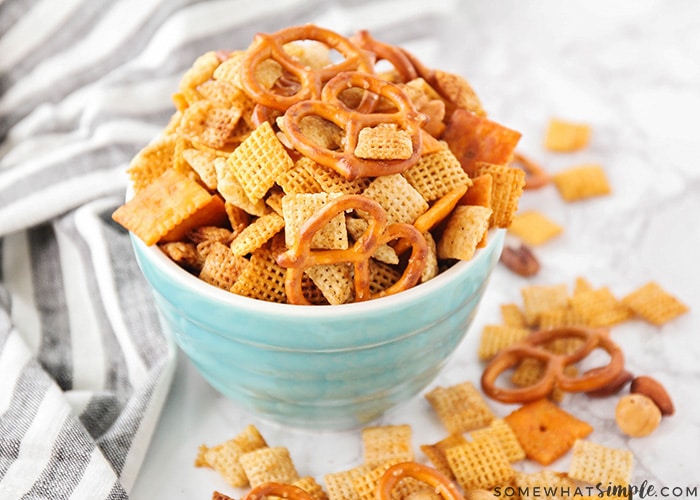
[352, 121]
[394, 474]
[534, 346]
[301, 256]
[286, 491]
[311, 81]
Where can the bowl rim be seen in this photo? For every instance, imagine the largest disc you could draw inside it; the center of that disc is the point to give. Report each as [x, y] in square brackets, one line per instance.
[222, 297]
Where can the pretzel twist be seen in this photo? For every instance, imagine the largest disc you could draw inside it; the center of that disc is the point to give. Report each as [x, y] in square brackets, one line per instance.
[535, 176]
[394, 474]
[311, 81]
[301, 256]
[554, 375]
[287, 491]
[391, 53]
[352, 121]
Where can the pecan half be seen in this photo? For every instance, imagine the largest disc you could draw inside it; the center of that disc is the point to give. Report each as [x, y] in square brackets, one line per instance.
[520, 260]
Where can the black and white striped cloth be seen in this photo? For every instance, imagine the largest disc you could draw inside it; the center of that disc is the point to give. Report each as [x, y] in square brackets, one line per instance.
[84, 84]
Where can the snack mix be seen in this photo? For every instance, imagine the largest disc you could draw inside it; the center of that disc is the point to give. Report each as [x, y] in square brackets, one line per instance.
[294, 171]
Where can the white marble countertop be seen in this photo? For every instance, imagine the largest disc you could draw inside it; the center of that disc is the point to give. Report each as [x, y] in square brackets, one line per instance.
[632, 71]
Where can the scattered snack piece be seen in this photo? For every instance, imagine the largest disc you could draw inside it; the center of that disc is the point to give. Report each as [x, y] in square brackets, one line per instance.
[655, 305]
[535, 176]
[534, 228]
[653, 389]
[503, 433]
[460, 407]
[496, 337]
[513, 315]
[565, 136]
[217, 495]
[545, 484]
[387, 443]
[595, 463]
[545, 431]
[410, 479]
[600, 308]
[637, 415]
[520, 260]
[506, 189]
[311, 486]
[269, 465]
[540, 298]
[464, 230]
[582, 182]
[480, 464]
[436, 452]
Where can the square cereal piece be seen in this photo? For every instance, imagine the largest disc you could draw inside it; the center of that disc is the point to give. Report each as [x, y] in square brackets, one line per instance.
[259, 161]
[269, 465]
[436, 174]
[298, 208]
[497, 337]
[595, 463]
[334, 281]
[152, 161]
[233, 192]
[528, 372]
[512, 315]
[161, 206]
[334, 182]
[357, 226]
[465, 229]
[300, 178]
[387, 443]
[206, 123]
[184, 254]
[555, 318]
[400, 200]
[654, 304]
[507, 187]
[366, 484]
[381, 276]
[460, 407]
[225, 457]
[545, 431]
[582, 182]
[540, 298]
[311, 486]
[545, 485]
[565, 136]
[202, 162]
[255, 234]
[600, 308]
[221, 266]
[384, 141]
[500, 430]
[534, 228]
[263, 278]
[340, 485]
[436, 452]
[480, 464]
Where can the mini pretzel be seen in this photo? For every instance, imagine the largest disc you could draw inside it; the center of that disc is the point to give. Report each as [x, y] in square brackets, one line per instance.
[301, 256]
[386, 52]
[554, 375]
[271, 46]
[352, 121]
[394, 474]
[286, 491]
[535, 175]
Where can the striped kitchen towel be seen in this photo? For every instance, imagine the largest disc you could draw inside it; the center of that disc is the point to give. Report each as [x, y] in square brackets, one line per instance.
[84, 84]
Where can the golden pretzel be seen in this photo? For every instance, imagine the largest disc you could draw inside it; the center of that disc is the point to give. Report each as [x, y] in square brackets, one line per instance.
[287, 491]
[352, 121]
[534, 346]
[394, 474]
[301, 256]
[383, 51]
[310, 81]
[535, 175]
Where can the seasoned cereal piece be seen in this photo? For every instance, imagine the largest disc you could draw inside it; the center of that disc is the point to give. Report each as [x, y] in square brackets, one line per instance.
[540, 298]
[202, 162]
[298, 208]
[436, 174]
[233, 192]
[201, 70]
[300, 178]
[334, 281]
[654, 304]
[381, 276]
[595, 463]
[387, 443]
[460, 407]
[582, 182]
[152, 161]
[384, 141]
[161, 206]
[269, 465]
[506, 189]
[310, 486]
[600, 308]
[497, 337]
[340, 485]
[257, 233]
[463, 232]
[400, 200]
[204, 122]
[222, 267]
[356, 228]
[499, 429]
[183, 253]
[480, 464]
[436, 452]
[534, 227]
[262, 278]
[513, 315]
[565, 136]
[545, 431]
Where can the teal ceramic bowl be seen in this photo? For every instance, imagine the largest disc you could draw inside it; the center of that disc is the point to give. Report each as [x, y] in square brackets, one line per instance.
[329, 367]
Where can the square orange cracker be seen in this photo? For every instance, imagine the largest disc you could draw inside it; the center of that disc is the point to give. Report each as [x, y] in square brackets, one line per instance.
[566, 136]
[258, 161]
[500, 430]
[595, 463]
[212, 213]
[545, 431]
[402, 202]
[269, 465]
[463, 232]
[387, 443]
[534, 227]
[225, 457]
[540, 298]
[436, 174]
[506, 189]
[579, 183]
[654, 304]
[460, 407]
[600, 308]
[436, 452]
[161, 206]
[480, 464]
[496, 337]
[479, 193]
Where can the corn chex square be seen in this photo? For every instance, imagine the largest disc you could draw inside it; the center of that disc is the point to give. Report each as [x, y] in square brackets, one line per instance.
[298, 208]
[340, 485]
[385, 443]
[221, 266]
[480, 464]
[262, 278]
[436, 452]
[505, 436]
[534, 227]
[582, 182]
[256, 234]
[152, 161]
[233, 192]
[436, 174]
[600, 308]
[384, 141]
[654, 304]
[400, 200]
[540, 298]
[269, 465]
[566, 136]
[507, 187]
[497, 337]
[595, 463]
[460, 407]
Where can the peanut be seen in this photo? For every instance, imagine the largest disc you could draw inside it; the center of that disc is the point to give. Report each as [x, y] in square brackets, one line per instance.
[637, 415]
